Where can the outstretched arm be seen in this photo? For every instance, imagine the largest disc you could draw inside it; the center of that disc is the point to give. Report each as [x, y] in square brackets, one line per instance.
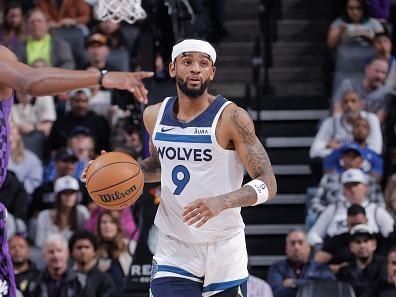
[49, 80]
[256, 161]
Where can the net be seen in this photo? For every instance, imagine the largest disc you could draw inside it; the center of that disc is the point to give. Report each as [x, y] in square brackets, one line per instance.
[120, 10]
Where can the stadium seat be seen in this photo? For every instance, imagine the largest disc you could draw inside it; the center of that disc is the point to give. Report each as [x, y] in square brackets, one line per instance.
[74, 36]
[326, 289]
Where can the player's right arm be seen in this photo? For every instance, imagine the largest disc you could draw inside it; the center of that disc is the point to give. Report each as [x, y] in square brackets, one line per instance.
[51, 81]
[151, 166]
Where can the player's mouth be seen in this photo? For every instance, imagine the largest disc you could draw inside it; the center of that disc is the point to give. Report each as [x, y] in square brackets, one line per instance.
[194, 80]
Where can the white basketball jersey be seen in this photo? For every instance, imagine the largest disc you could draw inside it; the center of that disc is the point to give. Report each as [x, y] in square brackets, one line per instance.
[194, 165]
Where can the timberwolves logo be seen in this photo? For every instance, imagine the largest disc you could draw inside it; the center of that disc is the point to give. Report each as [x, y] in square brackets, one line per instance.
[3, 288]
[154, 269]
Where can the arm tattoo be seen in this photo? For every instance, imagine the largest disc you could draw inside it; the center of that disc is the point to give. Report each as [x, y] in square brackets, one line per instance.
[256, 161]
[151, 166]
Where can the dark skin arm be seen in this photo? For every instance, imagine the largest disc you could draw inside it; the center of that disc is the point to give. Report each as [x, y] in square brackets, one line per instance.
[50, 81]
[239, 132]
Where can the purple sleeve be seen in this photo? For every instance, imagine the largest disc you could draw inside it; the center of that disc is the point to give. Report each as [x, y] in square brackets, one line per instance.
[379, 9]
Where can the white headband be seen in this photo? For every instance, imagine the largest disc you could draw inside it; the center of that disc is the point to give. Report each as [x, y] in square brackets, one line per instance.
[194, 45]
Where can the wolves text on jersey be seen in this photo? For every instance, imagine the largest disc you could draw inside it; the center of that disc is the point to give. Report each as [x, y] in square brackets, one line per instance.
[184, 154]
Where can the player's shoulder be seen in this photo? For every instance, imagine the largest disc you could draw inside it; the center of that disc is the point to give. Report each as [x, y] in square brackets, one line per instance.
[234, 114]
[150, 115]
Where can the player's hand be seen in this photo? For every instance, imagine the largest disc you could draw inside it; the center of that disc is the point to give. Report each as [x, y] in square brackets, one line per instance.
[83, 176]
[131, 81]
[202, 210]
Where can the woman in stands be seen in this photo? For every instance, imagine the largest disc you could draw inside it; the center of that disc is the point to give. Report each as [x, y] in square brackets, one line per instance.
[355, 26]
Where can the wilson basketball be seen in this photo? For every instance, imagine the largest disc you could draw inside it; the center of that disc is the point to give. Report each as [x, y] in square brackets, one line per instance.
[114, 180]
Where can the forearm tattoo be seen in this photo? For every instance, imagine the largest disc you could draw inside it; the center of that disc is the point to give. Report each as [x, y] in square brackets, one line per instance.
[257, 161]
[151, 166]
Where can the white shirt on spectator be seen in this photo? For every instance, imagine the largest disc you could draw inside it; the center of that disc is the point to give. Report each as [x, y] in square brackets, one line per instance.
[333, 221]
[256, 287]
[337, 128]
[42, 110]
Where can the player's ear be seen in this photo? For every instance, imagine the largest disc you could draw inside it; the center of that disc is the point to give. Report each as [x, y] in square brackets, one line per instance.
[172, 69]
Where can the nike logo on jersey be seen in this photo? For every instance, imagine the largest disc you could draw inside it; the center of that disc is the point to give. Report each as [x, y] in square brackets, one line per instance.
[166, 129]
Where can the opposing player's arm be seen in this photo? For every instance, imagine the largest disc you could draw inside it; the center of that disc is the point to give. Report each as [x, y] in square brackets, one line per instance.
[253, 156]
[50, 81]
[151, 166]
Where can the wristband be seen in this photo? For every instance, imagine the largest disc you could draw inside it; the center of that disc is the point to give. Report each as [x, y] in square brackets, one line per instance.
[261, 190]
[101, 76]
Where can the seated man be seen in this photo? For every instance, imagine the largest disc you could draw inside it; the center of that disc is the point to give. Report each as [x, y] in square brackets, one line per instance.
[286, 276]
[333, 220]
[366, 271]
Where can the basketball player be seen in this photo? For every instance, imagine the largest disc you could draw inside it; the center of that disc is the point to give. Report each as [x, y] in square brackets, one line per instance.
[44, 81]
[199, 147]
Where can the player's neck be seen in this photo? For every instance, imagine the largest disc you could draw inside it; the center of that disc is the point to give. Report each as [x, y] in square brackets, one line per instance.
[188, 108]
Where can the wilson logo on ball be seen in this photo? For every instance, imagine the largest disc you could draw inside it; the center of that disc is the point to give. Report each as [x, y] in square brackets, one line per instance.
[117, 195]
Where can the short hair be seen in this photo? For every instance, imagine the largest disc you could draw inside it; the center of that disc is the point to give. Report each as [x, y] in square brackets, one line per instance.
[34, 10]
[83, 234]
[356, 209]
[374, 58]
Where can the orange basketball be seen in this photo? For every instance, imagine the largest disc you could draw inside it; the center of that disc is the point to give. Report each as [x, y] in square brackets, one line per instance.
[114, 180]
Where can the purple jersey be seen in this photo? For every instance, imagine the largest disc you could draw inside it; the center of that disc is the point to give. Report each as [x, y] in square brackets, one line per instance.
[5, 109]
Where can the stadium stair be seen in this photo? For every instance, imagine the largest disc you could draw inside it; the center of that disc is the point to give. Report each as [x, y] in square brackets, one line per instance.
[288, 118]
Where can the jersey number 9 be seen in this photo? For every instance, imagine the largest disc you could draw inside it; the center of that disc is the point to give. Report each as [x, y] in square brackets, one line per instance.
[180, 177]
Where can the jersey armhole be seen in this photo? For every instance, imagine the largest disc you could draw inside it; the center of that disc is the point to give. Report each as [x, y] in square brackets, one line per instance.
[160, 116]
[214, 126]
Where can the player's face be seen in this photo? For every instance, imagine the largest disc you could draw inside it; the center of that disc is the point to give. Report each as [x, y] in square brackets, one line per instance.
[193, 73]
[108, 228]
[297, 247]
[83, 251]
[354, 10]
[19, 250]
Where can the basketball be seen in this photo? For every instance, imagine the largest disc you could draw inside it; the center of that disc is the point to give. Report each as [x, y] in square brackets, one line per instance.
[114, 180]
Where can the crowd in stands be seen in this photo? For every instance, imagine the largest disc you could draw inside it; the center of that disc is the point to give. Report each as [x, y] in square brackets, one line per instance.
[350, 221]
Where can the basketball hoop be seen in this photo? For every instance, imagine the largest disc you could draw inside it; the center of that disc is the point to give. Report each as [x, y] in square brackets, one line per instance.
[120, 10]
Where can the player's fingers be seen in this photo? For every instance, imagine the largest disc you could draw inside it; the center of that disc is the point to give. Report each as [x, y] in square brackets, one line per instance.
[188, 216]
[102, 152]
[195, 219]
[143, 74]
[83, 176]
[191, 207]
[202, 222]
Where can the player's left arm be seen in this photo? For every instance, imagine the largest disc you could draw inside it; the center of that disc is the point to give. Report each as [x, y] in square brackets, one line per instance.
[253, 155]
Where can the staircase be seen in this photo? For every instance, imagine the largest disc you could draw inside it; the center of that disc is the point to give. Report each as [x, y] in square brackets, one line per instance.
[289, 116]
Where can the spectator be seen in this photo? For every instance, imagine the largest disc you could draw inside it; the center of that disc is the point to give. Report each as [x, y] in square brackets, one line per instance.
[12, 30]
[67, 216]
[286, 276]
[112, 31]
[129, 141]
[26, 165]
[366, 271]
[371, 89]
[115, 251]
[390, 195]
[337, 130]
[355, 25]
[57, 279]
[65, 13]
[42, 45]
[335, 250]
[354, 156]
[34, 117]
[80, 116]
[14, 197]
[382, 45]
[25, 270]
[95, 283]
[333, 220]
[82, 144]
[388, 289]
